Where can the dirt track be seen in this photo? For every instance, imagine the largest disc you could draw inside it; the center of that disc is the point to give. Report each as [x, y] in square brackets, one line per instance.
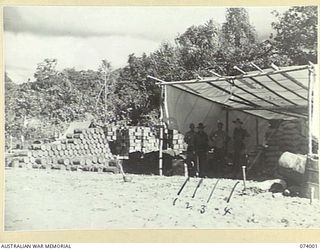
[49, 200]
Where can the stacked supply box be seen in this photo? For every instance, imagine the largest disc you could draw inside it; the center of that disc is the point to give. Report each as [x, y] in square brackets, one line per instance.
[144, 139]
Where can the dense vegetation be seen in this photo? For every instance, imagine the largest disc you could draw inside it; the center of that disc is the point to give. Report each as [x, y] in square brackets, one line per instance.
[126, 95]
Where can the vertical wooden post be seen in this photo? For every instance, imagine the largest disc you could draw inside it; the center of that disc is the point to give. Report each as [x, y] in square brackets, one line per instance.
[244, 177]
[10, 143]
[310, 101]
[257, 131]
[186, 173]
[227, 130]
[22, 141]
[311, 194]
[161, 131]
[160, 150]
[105, 96]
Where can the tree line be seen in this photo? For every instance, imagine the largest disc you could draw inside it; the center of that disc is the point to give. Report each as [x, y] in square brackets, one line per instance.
[127, 96]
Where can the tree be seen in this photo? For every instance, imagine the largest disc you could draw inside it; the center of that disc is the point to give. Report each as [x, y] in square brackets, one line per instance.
[132, 89]
[237, 30]
[10, 96]
[106, 97]
[45, 74]
[55, 98]
[296, 34]
[239, 43]
[197, 47]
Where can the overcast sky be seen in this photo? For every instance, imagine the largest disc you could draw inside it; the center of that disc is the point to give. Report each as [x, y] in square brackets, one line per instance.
[81, 37]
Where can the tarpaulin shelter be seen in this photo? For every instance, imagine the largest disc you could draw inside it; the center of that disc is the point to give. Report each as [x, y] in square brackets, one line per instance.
[255, 97]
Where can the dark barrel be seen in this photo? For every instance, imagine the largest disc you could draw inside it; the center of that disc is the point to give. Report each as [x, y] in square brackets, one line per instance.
[311, 178]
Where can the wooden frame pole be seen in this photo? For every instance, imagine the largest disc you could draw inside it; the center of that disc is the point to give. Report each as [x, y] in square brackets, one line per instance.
[161, 132]
[257, 131]
[227, 131]
[11, 143]
[311, 80]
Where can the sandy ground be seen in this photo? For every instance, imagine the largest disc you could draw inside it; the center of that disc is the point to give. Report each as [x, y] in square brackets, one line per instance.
[53, 199]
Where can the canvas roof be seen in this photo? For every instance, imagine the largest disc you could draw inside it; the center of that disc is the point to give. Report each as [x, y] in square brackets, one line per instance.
[284, 91]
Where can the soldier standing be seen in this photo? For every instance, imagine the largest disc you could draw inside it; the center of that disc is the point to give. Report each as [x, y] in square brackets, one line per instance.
[219, 139]
[239, 134]
[201, 149]
[189, 138]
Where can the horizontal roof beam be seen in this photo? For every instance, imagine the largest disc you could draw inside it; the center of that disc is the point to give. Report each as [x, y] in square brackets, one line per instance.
[244, 90]
[295, 111]
[283, 108]
[218, 79]
[232, 94]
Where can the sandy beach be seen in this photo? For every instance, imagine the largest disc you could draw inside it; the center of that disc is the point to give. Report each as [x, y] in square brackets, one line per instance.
[53, 200]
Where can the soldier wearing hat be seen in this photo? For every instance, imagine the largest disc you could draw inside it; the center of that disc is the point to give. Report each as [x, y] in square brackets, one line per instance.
[189, 138]
[201, 148]
[219, 139]
[239, 134]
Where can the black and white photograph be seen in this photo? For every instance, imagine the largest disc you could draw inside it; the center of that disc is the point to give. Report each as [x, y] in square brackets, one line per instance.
[161, 117]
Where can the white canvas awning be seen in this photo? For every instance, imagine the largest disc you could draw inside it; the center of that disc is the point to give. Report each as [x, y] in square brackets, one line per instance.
[255, 97]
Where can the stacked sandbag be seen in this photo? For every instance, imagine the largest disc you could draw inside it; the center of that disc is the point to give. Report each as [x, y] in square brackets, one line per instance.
[94, 148]
[271, 153]
[85, 149]
[19, 159]
[292, 137]
[288, 137]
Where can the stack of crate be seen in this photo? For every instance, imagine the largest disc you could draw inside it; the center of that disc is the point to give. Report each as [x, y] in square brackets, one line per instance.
[110, 132]
[176, 141]
[144, 139]
[133, 139]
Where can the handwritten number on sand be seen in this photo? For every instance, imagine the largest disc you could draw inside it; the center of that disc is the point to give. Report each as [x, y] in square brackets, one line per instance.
[203, 209]
[188, 205]
[227, 210]
[174, 201]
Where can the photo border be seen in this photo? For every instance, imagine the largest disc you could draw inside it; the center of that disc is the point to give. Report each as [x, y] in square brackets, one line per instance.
[146, 235]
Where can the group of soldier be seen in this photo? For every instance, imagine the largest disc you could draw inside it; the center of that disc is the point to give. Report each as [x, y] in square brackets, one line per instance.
[198, 147]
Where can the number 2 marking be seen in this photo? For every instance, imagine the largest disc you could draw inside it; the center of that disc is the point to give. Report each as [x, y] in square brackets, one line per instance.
[188, 205]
